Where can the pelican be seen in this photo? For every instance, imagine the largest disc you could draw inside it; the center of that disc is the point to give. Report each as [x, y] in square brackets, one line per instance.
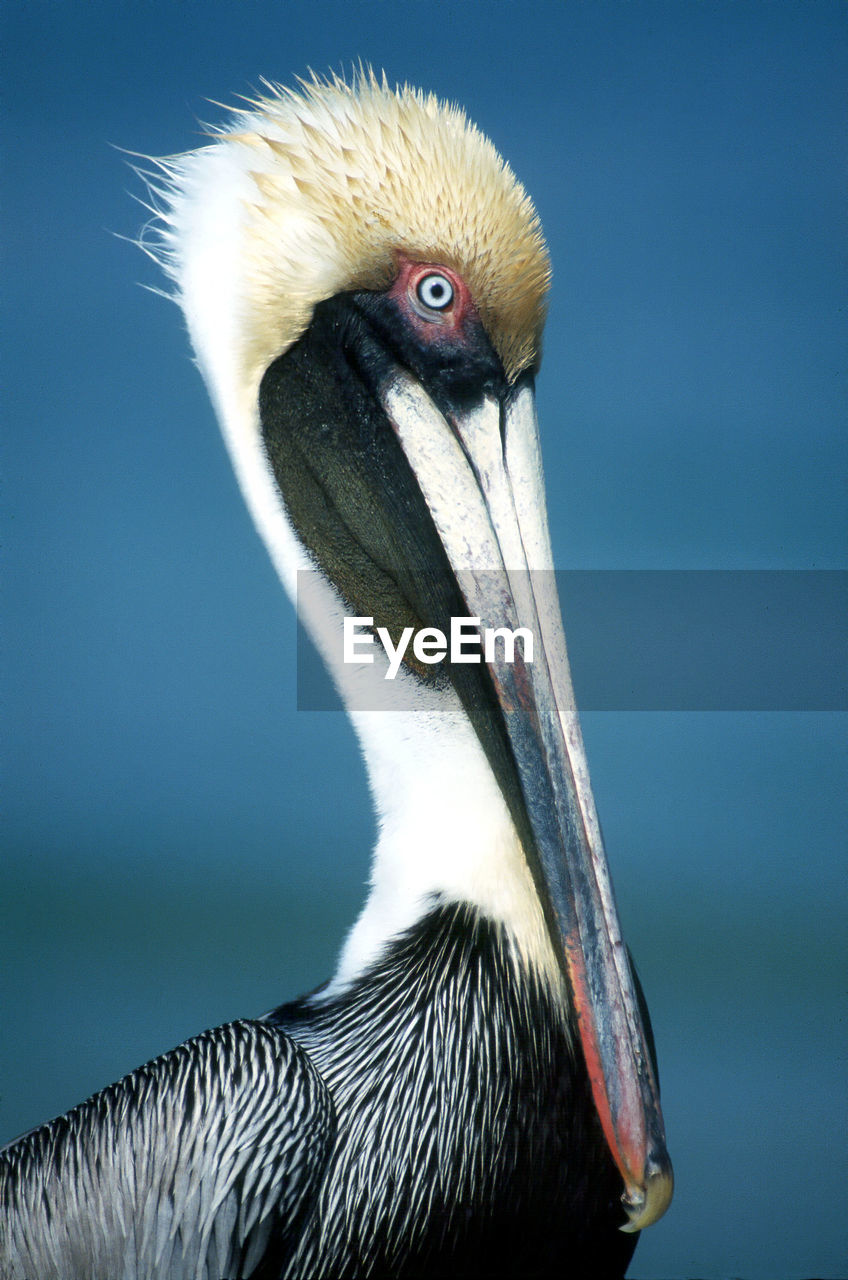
[364, 282]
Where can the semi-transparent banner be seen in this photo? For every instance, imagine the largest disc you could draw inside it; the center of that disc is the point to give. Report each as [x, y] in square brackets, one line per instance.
[638, 640]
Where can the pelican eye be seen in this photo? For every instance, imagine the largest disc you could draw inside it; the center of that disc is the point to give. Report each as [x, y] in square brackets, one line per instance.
[435, 291]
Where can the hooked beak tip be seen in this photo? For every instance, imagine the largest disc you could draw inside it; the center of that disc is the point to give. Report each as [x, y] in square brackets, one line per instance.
[646, 1204]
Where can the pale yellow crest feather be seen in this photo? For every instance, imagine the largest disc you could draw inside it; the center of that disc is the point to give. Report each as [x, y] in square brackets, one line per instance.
[345, 177]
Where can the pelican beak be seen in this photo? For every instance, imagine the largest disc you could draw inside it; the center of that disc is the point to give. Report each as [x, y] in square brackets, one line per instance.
[479, 469]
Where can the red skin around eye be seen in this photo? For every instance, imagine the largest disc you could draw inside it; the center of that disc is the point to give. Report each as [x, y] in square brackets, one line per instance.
[432, 326]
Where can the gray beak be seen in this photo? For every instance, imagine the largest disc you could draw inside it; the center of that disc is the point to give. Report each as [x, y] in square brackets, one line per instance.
[479, 470]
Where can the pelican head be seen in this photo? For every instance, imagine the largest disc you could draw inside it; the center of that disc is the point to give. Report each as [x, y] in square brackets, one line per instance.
[364, 281]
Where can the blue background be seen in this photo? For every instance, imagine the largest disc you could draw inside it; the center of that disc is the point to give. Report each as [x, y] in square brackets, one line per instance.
[182, 846]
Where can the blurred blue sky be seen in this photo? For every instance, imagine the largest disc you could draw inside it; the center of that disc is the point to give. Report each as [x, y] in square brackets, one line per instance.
[182, 846]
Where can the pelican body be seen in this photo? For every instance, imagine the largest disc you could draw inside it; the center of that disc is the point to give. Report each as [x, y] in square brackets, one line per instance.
[473, 1093]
